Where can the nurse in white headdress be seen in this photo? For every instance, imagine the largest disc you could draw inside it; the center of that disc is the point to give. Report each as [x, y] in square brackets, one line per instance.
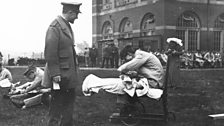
[174, 51]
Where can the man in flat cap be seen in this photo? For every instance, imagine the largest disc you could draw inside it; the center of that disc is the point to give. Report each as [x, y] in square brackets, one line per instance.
[61, 65]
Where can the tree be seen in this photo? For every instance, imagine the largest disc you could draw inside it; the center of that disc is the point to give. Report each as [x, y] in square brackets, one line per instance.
[11, 62]
[81, 47]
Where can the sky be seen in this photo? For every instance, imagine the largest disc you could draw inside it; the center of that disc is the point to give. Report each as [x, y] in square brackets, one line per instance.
[24, 23]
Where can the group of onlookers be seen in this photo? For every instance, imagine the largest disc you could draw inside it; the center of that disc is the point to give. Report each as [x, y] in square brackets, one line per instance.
[110, 56]
[90, 55]
[196, 59]
[205, 59]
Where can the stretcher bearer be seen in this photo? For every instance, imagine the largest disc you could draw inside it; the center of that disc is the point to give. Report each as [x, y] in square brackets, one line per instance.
[146, 64]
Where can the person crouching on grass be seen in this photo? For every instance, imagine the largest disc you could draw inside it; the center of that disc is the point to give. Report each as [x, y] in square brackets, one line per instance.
[30, 93]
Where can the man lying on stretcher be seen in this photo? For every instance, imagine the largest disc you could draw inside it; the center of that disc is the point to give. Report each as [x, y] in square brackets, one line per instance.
[149, 80]
[145, 64]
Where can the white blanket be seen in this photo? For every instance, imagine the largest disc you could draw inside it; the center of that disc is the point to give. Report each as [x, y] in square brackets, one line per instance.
[92, 84]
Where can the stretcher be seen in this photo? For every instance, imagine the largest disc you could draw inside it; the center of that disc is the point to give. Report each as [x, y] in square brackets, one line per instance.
[133, 113]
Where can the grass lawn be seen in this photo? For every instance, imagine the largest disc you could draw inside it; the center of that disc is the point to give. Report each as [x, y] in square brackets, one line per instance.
[200, 93]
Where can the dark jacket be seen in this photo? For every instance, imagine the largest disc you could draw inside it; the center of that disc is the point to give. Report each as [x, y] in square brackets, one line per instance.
[60, 55]
[93, 52]
[106, 52]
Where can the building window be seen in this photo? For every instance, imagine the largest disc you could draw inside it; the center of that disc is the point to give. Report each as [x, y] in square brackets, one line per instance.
[194, 1]
[217, 40]
[120, 3]
[107, 31]
[218, 33]
[188, 26]
[220, 2]
[106, 1]
[126, 28]
[148, 25]
[107, 4]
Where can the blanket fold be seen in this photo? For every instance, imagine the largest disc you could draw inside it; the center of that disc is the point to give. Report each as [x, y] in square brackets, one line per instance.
[92, 84]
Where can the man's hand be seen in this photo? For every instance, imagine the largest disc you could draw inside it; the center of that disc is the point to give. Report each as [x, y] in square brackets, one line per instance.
[57, 79]
[174, 51]
[45, 90]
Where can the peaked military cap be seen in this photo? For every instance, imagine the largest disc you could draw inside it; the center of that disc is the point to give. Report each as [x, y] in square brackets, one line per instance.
[72, 5]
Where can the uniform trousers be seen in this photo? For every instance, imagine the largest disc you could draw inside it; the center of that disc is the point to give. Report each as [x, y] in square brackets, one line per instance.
[61, 107]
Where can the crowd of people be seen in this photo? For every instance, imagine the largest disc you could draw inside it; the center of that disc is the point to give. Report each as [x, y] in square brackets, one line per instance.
[112, 57]
[195, 59]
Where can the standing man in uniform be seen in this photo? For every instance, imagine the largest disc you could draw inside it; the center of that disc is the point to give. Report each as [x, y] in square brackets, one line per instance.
[61, 71]
[93, 53]
[86, 55]
[106, 56]
[114, 56]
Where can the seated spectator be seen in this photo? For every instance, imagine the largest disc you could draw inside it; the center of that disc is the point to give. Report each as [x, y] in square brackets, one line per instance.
[183, 60]
[199, 60]
[30, 93]
[218, 59]
[189, 60]
[209, 59]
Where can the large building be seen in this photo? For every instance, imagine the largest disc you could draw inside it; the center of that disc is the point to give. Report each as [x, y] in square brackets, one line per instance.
[148, 23]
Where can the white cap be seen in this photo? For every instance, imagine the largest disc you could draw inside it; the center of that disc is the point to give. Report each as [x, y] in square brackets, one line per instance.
[178, 41]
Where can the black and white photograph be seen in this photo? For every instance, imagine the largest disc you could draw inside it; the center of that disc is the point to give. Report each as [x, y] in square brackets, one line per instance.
[112, 63]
